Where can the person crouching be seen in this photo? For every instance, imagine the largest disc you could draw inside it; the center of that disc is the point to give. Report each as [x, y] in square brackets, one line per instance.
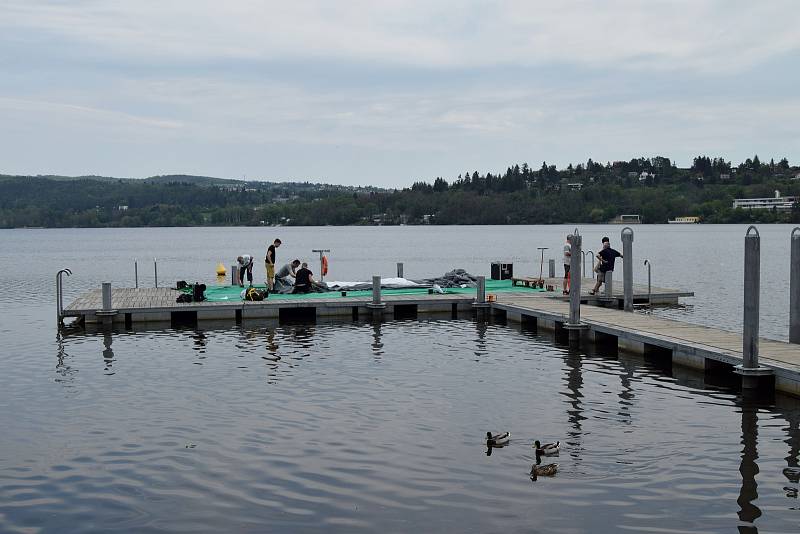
[303, 280]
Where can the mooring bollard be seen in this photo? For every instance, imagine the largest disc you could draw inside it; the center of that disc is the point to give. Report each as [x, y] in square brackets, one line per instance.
[399, 269]
[235, 274]
[136, 273]
[609, 283]
[481, 296]
[551, 265]
[627, 265]
[155, 271]
[106, 296]
[376, 290]
[575, 260]
[794, 288]
[752, 288]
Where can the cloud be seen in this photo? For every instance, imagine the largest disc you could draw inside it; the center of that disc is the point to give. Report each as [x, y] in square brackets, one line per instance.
[685, 34]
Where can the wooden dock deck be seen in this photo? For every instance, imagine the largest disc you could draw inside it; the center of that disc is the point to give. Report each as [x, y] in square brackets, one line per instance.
[686, 344]
[690, 345]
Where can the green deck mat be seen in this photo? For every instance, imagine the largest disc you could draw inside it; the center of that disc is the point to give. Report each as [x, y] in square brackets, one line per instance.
[233, 293]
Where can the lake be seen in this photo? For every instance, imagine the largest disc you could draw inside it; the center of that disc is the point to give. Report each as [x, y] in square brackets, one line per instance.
[359, 426]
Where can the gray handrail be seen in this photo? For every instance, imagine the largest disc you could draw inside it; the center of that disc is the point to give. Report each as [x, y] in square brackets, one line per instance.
[60, 295]
[591, 256]
[649, 286]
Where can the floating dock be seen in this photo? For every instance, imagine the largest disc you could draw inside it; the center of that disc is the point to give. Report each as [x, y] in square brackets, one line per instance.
[703, 348]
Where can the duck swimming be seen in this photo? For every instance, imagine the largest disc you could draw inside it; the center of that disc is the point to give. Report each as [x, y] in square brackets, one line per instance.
[543, 470]
[497, 440]
[548, 449]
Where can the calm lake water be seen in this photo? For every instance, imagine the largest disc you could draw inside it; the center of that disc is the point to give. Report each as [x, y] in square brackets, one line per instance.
[357, 426]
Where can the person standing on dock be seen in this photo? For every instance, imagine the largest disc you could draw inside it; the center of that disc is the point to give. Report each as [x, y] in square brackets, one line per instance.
[567, 260]
[606, 258]
[245, 262]
[269, 263]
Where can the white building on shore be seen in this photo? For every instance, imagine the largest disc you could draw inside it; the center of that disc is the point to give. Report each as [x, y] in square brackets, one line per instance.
[777, 202]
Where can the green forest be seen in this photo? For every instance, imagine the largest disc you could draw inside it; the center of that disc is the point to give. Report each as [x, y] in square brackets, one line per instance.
[653, 188]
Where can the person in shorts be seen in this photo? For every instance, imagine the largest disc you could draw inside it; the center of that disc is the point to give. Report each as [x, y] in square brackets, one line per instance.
[567, 263]
[269, 263]
[606, 258]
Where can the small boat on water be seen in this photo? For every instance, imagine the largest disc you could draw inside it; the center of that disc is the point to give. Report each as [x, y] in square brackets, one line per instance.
[684, 220]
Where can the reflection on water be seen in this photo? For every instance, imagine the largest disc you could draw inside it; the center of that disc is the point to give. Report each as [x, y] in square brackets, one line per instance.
[370, 425]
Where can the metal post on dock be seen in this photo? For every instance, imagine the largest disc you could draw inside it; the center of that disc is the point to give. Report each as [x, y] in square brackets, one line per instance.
[551, 264]
[136, 273]
[235, 274]
[749, 369]
[60, 295]
[155, 271]
[575, 261]
[106, 313]
[323, 261]
[649, 286]
[609, 283]
[399, 269]
[794, 288]
[106, 291]
[480, 305]
[627, 265]
[376, 305]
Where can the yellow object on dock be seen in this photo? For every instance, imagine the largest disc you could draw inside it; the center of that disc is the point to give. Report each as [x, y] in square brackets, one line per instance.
[221, 270]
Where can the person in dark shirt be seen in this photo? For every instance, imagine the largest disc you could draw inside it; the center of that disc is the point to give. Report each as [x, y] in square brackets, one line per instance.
[269, 263]
[605, 258]
[303, 280]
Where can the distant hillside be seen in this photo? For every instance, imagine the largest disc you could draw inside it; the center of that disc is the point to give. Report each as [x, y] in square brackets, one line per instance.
[203, 181]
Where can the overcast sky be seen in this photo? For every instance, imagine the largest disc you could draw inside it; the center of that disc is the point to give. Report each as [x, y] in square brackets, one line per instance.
[388, 92]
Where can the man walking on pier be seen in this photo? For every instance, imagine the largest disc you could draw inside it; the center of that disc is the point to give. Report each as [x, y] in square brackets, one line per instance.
[606, 258]
[269, 263]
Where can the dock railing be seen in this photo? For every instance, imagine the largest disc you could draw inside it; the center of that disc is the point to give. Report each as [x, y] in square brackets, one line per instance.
[60, 295]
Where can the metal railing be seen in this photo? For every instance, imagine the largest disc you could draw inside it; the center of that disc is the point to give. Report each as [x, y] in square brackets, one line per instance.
[60, 295]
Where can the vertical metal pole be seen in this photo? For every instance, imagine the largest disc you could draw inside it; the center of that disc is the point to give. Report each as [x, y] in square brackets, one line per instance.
[481, 297]
[794, 288]
[752, 287]
[106, 296]
[136, 272]
[575, 261]
[649, 286]
[155, 271]
[235, 274]
[609, 284]
[551, 264]
[376, 289]
[59, 305]
[627, 265]
[399, 269]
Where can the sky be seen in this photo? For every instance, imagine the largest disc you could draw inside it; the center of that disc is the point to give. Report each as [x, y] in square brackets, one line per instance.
[386, 93]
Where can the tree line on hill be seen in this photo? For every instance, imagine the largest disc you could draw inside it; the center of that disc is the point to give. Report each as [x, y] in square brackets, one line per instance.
[654, 188]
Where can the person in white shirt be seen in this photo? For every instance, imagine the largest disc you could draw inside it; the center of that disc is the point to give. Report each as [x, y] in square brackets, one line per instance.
[567, 263]
[245, 262]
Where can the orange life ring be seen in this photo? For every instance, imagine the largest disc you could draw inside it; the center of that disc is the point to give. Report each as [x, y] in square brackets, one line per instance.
[324, 265]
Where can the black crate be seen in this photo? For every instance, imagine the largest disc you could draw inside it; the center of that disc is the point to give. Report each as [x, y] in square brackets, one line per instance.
[502, 271]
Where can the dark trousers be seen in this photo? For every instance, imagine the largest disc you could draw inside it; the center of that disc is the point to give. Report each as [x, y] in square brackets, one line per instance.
[302, 289]
[248, 270]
